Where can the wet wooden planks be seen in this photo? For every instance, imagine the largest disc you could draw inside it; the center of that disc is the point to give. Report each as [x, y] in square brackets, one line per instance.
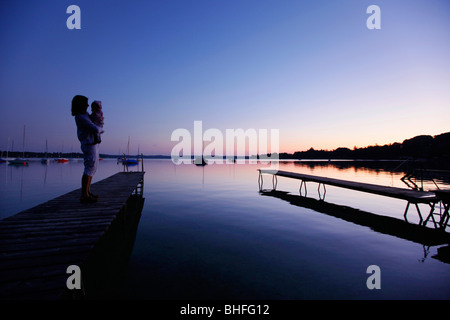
[37, 245]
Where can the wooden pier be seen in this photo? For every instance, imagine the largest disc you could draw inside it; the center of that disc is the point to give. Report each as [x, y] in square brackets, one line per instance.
[37, 245]
[411, 196]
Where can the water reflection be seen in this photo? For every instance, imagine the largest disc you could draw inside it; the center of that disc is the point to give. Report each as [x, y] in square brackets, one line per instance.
[382, 224]
[207, 231]
[104, 272]
[378, 223]
[46, 170]
[443, 254]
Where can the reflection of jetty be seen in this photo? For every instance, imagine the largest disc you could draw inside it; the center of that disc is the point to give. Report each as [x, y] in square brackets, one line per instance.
[411, 196]
[382, 224]
[39, 244]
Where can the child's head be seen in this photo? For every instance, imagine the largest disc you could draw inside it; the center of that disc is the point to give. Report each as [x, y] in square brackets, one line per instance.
[96, 106]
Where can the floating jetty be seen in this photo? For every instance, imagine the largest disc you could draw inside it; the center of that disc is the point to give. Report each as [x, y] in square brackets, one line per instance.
[39, 244]
[411, 196]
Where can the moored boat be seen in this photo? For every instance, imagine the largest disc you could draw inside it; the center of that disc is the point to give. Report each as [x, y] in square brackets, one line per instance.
[45, 160]
[18, 161]
[129, 162]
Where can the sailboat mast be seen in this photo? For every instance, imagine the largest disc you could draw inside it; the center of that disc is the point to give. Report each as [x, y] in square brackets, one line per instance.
[23, 144]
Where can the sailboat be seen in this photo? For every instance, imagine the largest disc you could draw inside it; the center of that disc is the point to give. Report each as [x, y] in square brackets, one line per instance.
[125, 160]
[45, 160]
[62, 160]
[1, 159]
[19, 161]
[5, 160]
[201, 162]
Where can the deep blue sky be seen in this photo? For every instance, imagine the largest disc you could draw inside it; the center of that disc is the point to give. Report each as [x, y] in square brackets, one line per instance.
[311, 69]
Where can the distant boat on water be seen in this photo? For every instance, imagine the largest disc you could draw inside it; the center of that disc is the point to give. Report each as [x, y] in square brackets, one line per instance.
[61, 159]
[124, 160]
[45, 160]
[127, 161]
[200, 162]
[2, 160]
[19, 161]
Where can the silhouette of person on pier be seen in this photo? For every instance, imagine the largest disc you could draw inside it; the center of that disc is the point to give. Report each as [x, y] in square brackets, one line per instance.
[97, 117]
[87, 133]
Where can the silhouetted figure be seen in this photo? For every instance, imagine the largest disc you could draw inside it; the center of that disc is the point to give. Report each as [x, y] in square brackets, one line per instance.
[97, 117]
[86, 132]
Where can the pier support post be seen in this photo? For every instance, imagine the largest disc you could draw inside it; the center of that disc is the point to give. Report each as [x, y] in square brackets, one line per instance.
[444, 216]
[301, 187]
[417, 209]
[324, 191]
[431, 215]
[260, 181]
[406, 211]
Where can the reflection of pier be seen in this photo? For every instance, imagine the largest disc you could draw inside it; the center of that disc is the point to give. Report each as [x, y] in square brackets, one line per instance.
[37, 245]
[411, 196]
[378, 223]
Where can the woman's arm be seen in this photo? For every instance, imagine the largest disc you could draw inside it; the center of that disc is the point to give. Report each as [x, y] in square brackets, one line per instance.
[85, 124]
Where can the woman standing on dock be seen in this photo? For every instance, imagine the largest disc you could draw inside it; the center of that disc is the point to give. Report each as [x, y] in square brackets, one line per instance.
[87, 132]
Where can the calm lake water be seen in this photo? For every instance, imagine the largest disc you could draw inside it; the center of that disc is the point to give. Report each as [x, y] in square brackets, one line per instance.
[208, 233]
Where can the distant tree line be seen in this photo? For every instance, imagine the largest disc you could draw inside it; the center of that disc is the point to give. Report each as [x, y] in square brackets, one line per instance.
[419, 147]
[71, 155]
[50, 155]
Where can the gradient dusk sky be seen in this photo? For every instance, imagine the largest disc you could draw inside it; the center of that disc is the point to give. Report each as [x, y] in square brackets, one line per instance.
[311, 69]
